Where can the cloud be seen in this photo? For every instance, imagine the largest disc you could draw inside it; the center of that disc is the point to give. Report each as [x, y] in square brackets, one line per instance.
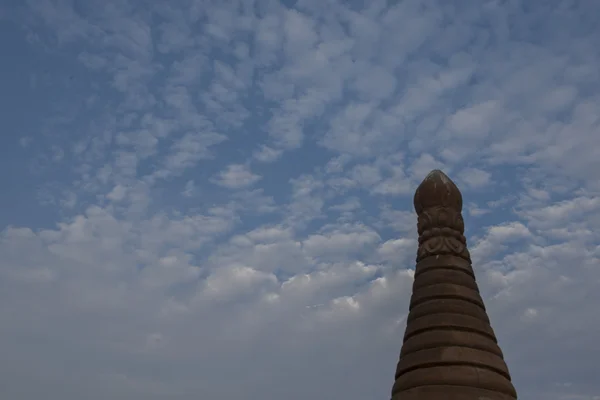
[236, 176]
[215, 200]
[346, 241]
[474, 178]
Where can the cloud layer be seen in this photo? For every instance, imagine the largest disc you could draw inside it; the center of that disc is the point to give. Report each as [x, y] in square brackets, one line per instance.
[214, 199]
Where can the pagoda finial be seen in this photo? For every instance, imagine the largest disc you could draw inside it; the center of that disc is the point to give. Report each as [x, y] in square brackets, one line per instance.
[449, 350]
[440, 225]
[437, 190]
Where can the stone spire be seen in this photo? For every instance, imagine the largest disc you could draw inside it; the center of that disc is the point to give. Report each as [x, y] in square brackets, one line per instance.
[450, 351]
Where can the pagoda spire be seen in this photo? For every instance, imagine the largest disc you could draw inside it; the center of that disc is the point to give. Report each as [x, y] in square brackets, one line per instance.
[449, 351]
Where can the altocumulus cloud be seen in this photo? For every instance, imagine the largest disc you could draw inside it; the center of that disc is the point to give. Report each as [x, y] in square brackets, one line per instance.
[212, 199]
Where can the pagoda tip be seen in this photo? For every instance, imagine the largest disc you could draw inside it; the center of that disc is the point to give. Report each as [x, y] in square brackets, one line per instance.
[437, 190]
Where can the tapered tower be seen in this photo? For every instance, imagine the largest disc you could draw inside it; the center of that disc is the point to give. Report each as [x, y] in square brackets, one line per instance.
[450, 351]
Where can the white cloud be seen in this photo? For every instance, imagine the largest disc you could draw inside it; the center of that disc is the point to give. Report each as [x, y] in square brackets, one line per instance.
[474, 122]
[267, 154]
[187, 151]
[117, 194]
[349, 205]
[476, 211]
[236, 176]
[474, 178]
[346, 242]
[140, 277]
[189, 189]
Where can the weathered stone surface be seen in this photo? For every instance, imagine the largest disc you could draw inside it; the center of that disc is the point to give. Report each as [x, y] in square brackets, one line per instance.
[450, 350]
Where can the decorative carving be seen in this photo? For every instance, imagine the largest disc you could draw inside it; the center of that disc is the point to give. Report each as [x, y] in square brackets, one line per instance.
[441, 232]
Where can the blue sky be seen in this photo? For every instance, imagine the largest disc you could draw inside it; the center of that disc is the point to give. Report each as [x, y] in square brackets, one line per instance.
[213, 200]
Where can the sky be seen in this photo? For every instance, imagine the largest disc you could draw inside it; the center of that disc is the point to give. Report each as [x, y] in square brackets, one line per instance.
[213, 199]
